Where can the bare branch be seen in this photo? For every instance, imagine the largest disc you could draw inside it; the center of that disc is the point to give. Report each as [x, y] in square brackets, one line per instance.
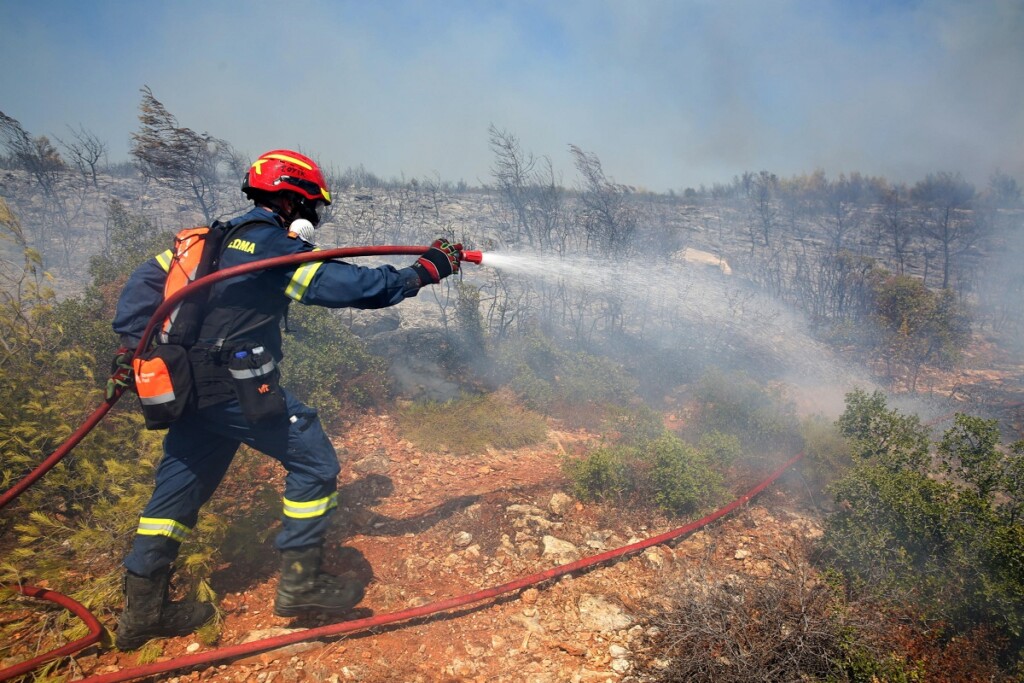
[86, 151]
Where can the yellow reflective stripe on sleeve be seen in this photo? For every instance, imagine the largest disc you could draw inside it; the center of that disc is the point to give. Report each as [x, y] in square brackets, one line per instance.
[300, 281]
[313, 508]
[149, 526]
[164, 259]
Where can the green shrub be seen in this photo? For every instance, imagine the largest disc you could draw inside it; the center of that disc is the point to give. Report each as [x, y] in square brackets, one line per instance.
[949, 538]
[885, 437]
[860, 663]
[71, 529]
[327, 366]
[665, 471]
[471, 424]
[970, 451]
[887, 531]
[826, 453]
[734, 404]
[555, 381]
[681, 478]
[603, 474]
[635, 425]
[722, 450]
[917, 326]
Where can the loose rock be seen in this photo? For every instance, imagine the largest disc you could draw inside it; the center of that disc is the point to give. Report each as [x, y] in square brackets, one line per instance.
[559, 550]
[598, 613]
[560, 503]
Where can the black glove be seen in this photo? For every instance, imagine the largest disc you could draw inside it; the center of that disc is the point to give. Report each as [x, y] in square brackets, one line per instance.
[121, 374]
[440, 261]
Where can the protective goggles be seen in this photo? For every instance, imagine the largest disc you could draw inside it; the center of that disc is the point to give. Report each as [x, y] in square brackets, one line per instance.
[308, 186]
[311, 209]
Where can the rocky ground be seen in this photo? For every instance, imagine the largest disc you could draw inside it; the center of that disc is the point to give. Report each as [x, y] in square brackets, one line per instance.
[420, 527]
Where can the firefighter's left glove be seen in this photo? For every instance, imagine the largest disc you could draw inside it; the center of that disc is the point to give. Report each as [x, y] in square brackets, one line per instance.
[440, 261]
[121, 374]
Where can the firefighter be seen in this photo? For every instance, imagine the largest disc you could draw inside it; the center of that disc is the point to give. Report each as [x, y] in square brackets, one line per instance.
[243, 316]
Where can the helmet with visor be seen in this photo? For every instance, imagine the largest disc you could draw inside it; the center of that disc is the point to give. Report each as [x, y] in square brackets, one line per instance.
[282, 170]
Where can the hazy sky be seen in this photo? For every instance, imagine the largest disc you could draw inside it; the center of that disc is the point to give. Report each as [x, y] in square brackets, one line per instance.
[666, 94]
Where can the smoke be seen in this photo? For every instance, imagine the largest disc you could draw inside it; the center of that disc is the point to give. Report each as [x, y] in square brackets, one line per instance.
[1000, 284]
[688, 310]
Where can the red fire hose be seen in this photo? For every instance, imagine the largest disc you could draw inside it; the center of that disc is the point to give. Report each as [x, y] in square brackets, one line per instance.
[164, 309]
[170, 302]
[377, 620]
[253, 647]
[95, 630]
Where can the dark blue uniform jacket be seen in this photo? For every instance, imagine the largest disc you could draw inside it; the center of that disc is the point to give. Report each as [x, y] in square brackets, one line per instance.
[247, 309]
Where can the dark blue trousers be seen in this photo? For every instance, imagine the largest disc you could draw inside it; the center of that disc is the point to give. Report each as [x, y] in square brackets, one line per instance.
[199, 448]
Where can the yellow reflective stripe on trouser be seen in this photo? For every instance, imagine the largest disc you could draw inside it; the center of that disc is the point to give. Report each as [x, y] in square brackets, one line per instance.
[149, 526]
[164, 259]
[313, 508]
[300, 281]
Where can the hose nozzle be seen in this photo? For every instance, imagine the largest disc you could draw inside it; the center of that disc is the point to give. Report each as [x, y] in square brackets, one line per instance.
[476, 257]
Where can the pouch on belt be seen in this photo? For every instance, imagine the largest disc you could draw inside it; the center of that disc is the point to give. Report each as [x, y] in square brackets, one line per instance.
[163, 380]
[256, 378]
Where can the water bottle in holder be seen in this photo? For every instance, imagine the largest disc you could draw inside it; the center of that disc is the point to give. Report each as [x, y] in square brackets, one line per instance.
[256, 377]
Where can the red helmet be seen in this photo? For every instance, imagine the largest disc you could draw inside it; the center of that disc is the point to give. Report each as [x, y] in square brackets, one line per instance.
[283, 169]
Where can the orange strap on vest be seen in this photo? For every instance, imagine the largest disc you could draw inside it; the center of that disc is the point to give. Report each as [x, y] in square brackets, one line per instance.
[188, 252]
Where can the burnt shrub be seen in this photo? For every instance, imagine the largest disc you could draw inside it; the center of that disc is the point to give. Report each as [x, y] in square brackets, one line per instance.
[789, 626]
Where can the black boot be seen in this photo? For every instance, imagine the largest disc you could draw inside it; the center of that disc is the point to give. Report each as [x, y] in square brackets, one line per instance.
[304, 588]
[149, 613]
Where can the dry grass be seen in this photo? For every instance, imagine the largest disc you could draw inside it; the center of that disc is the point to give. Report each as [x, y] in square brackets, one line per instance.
[788, 626]
[471, 424]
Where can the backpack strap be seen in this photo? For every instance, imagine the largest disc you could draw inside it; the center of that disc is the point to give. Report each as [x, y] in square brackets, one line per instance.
[225, 235]
[183, 325]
